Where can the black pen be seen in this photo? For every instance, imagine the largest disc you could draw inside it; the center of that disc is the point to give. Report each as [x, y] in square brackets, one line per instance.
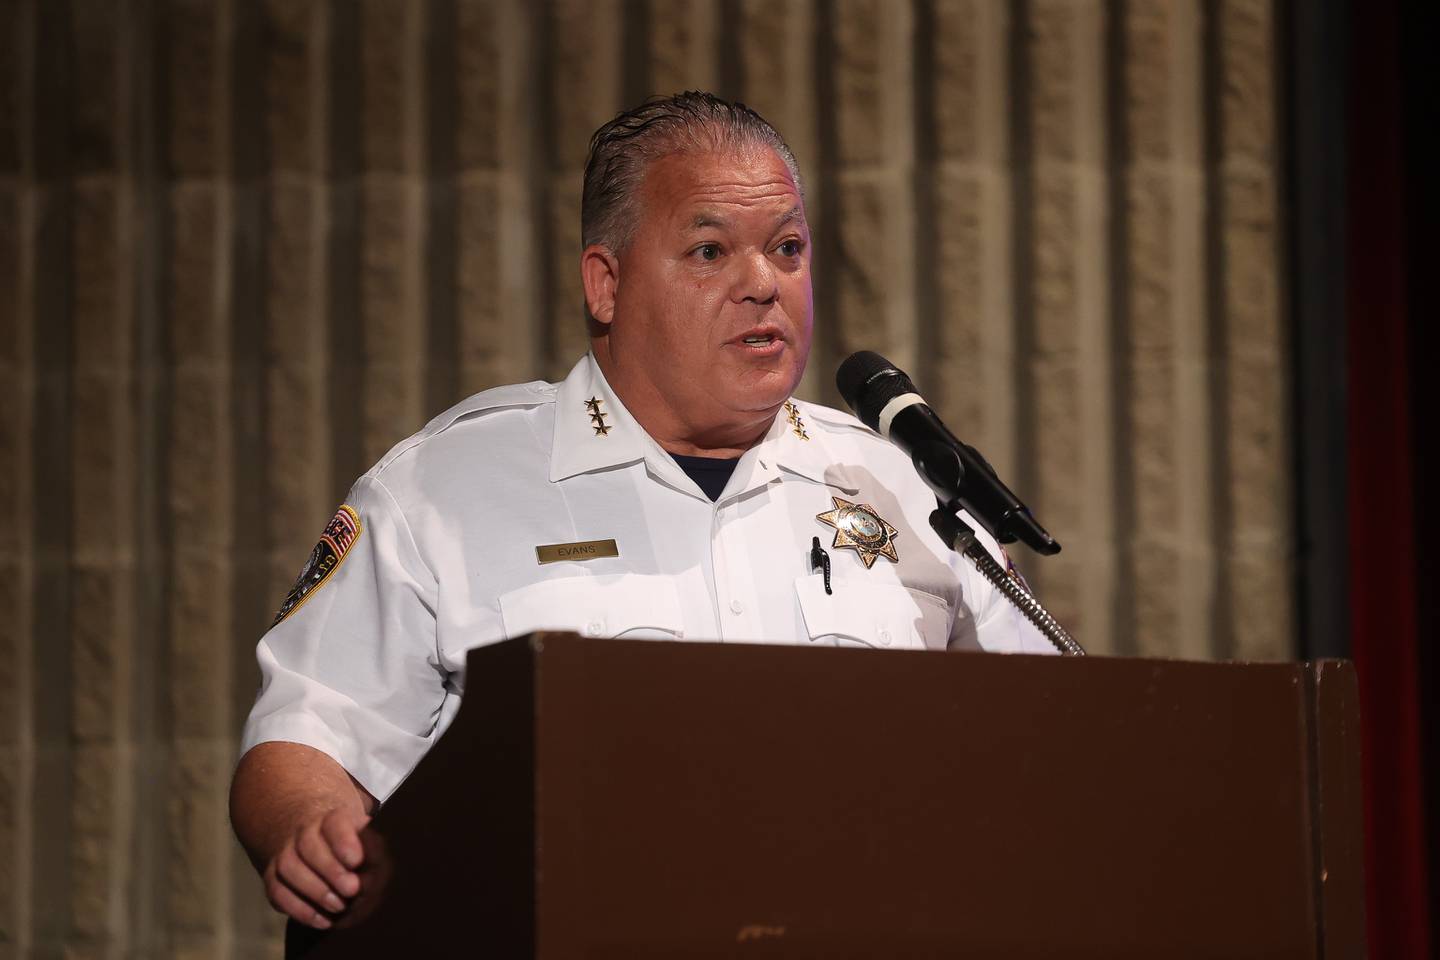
[820, 560]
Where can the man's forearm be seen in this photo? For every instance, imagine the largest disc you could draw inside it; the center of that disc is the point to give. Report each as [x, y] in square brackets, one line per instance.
[280, 786]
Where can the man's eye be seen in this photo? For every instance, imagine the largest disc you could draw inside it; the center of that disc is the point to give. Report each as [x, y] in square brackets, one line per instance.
[708, 251]
[790, 248]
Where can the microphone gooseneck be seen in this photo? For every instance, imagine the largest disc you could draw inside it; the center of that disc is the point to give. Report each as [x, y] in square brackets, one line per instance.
[886, 401]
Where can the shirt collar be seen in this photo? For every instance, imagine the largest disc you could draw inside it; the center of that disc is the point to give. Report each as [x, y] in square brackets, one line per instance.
[595, 431]
[794, 446]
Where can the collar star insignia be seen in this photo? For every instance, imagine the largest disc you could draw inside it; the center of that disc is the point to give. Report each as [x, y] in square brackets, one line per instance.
[597, 418]
[797, 426]
[859, 528]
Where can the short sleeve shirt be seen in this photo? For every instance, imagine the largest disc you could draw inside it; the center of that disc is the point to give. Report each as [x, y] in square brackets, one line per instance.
[546, 506]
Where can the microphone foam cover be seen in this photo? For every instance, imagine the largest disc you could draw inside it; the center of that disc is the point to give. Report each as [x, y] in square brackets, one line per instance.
[868, 381]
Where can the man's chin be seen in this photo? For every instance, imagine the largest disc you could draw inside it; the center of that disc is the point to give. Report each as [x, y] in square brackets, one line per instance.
[767, 394]
[781, 373]
[778, 377]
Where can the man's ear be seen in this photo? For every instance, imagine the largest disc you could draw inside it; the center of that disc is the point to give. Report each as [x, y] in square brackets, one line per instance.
[600, 274]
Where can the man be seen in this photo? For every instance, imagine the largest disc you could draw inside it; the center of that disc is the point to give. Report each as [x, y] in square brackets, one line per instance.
[669, 487]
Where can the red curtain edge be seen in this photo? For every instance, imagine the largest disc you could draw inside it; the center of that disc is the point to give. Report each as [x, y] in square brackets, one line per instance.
[1380, 499]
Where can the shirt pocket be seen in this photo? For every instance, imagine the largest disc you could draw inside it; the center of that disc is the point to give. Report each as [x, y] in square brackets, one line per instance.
[629, 606]
[881, 615]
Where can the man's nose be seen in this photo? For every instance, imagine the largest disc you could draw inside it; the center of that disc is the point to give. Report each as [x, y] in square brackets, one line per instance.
[757, 281]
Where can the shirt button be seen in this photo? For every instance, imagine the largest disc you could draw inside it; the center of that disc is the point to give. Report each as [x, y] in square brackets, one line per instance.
[736, 606]
[594, 628]
[885, 637]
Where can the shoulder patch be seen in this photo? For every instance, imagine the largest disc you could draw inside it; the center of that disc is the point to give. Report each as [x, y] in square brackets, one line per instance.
[340, 535]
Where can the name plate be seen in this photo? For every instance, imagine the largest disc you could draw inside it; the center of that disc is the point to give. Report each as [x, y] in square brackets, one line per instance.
[585, 550]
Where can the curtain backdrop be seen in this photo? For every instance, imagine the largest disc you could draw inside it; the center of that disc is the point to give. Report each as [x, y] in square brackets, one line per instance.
[245, 247]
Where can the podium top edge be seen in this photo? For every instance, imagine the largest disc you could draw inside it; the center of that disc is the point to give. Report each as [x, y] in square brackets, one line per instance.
[538, 641]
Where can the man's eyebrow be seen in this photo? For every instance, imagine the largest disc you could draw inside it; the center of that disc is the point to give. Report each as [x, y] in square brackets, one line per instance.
[795, 214]
[706, 218]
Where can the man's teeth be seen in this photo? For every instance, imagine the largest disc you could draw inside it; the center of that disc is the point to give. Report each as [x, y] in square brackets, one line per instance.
[758, 339]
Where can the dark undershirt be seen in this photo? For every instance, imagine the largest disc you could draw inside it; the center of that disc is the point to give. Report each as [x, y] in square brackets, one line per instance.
[709, 473]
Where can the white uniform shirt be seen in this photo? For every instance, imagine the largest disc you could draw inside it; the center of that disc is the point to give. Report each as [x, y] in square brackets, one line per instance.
[369, 665]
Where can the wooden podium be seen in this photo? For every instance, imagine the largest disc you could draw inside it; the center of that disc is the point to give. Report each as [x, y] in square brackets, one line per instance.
[628, 799]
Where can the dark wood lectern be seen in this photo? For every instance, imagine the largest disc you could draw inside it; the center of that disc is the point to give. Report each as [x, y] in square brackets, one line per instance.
[622, 799]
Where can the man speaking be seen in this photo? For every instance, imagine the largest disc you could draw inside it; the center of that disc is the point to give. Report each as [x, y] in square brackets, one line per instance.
[670, 488]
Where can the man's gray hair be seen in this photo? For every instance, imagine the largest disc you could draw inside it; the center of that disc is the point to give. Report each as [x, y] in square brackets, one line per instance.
[622, 149]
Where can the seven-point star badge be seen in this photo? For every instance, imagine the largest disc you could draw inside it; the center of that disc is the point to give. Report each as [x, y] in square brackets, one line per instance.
[860, 528]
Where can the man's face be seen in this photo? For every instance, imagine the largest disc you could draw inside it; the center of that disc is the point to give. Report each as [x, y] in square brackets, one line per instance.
[713, 301]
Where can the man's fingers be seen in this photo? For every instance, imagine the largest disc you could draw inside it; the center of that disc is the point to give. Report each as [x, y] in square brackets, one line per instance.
[293, 905]
[299, 876]
[312, 876]
[342, 832]
[316, 849]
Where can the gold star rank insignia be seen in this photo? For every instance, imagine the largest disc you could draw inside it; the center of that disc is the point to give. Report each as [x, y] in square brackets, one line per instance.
[797, 426]
[860, 528]
[597, 417]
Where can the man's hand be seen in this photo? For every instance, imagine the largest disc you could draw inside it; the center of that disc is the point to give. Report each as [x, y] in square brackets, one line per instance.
[313, 874]
[299, 816]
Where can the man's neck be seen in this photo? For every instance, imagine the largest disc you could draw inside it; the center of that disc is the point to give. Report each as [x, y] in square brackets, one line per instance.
[657, 416]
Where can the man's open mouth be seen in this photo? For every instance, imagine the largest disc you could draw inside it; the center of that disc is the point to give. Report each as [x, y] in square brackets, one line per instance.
[764, 337]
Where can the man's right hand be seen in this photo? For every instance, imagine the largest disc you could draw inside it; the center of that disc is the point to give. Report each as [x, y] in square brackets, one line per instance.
[299, 816]
[313, 876]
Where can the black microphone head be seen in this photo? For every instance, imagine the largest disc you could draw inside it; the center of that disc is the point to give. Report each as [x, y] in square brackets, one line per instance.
[868, 381]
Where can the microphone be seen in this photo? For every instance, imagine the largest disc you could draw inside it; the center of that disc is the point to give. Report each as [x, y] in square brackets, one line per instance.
[886, 401]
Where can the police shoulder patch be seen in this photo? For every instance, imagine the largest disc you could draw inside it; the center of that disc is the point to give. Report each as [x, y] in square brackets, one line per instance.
[340, 535]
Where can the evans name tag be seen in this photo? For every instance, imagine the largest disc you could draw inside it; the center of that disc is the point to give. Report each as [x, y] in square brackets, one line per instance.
[585, 550]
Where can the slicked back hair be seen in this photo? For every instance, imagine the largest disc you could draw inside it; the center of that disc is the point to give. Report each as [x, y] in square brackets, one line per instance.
[621, 150]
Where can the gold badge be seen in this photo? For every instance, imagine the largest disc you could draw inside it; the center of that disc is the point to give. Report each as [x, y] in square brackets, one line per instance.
[860, 528]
